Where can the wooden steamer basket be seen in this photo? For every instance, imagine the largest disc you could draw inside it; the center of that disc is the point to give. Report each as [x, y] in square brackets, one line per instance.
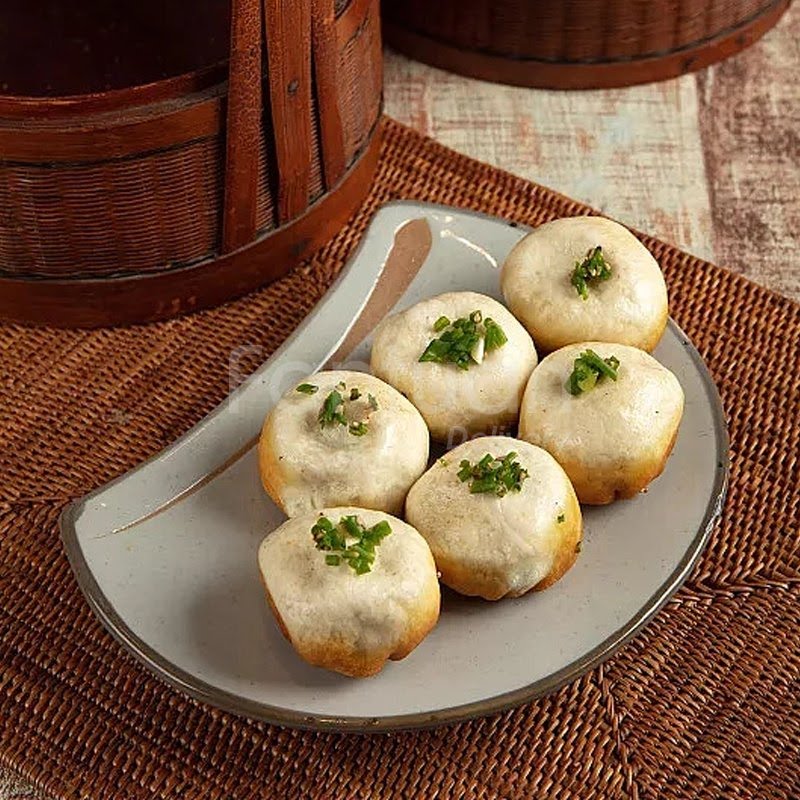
[575, 44]
[128, 196]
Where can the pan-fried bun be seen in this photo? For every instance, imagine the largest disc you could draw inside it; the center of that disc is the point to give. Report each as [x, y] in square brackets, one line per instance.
[340, 620]
[629, 307]
[497, 546]
[613, 440]
[456, 403]
[369, 459]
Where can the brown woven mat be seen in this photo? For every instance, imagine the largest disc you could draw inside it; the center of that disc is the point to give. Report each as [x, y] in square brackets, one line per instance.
[704, 704]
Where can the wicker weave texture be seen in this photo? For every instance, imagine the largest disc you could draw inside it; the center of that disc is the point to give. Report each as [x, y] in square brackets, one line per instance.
[87, 218]
[157, 208]
[568, 31]
[704, 704]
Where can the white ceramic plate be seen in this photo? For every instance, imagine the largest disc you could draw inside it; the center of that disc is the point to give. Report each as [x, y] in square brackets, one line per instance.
[166, 554]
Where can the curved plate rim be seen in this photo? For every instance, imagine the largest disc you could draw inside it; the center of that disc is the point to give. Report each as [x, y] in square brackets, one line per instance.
[202, 691]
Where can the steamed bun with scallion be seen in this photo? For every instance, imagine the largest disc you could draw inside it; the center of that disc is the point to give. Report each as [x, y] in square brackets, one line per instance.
[608, 413]
[583, 279]
[461, 358]
[342, 438]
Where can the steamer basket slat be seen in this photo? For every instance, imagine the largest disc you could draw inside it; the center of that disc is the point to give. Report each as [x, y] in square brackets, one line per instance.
[149, 189]
[244, 111]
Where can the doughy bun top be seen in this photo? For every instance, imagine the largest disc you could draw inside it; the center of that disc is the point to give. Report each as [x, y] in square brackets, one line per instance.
[629, 307]
[318, 602]
[614, 423]
[447, 396]
[516, 535]
[317, 462]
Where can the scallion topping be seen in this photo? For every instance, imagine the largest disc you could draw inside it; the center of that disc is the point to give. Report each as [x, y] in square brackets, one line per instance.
[441, 324]
[332, 412]
[358, 428]
[349, 541]
[593, 268]
[588, 368]
[495, 336]
[495, 475]
[464, 341]
[307, 388]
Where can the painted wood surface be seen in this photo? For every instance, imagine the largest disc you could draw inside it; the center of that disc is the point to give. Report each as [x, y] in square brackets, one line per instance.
[710, 162]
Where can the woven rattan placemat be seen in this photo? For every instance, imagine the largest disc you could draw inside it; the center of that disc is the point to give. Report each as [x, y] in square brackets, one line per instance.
[703, 704]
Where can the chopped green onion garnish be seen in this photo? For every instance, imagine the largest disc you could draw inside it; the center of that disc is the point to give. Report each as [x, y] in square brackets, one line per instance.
[593, 268]
[350, 524]
[359, 554]
[332, 411]
[307, 388]
[495, 336]
[441, 324]
[493, 475]
[486, 484]
[464, 341]
[561, 518]
[607, 367]
[478, 350]
[588, 368]
[358, 428]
